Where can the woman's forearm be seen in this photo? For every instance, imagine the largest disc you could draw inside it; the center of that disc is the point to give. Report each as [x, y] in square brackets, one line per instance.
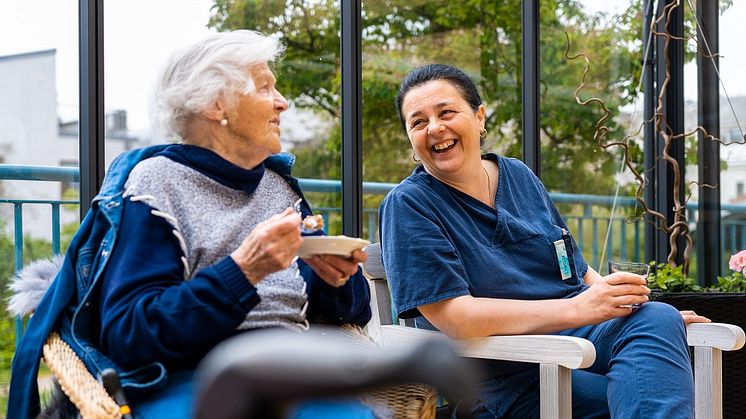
[469, 317]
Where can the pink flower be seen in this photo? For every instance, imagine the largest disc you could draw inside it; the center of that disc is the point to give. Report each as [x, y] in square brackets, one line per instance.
[738, 262]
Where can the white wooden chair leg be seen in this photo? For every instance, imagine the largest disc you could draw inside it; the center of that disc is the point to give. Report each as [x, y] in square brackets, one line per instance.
[555, 388]
[708, 383]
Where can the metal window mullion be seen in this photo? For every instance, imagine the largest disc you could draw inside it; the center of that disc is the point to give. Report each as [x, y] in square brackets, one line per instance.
[708, 158]
[649, 138]
[530, 85]
[673, 111]
[92, 119]
[352, 132]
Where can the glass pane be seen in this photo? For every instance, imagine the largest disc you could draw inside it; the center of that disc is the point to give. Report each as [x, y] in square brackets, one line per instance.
[484, 41]
[38, 102]
[603, 38]
[134, 57]
[732, 108]
[732, 128]
[308, 76]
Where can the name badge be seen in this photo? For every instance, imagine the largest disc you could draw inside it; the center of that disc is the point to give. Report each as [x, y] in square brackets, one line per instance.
[562, 259]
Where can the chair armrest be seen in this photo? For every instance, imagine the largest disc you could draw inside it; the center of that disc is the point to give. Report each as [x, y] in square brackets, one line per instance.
[726, 337]
[569, 352]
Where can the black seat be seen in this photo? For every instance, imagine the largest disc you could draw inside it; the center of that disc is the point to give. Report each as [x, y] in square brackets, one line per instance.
[262, 374]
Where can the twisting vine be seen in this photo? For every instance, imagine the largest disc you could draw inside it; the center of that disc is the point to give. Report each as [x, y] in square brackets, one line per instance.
[679, 227]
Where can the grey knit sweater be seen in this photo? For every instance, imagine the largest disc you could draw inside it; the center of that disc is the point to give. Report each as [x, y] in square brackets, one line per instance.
[211, 220]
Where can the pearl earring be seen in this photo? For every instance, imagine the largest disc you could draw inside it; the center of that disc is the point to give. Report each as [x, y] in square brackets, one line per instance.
[223, 122]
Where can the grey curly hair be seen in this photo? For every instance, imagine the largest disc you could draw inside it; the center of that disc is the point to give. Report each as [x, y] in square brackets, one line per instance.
[198, 75]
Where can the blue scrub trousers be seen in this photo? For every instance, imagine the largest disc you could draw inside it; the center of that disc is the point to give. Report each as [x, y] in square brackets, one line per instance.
[642, 370]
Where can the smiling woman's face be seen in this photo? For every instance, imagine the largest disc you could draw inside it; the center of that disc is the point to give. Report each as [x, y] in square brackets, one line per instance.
[255, 117]
[442, 127]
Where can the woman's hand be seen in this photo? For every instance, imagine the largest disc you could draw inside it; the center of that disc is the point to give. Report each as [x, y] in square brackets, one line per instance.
[271, 246]
[336, 270]
[611, 296]
[692, 317]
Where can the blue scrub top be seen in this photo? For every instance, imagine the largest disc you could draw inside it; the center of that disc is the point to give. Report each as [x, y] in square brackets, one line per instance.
[439, 243]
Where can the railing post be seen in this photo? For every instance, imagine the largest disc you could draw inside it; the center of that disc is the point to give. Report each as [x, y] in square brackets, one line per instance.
[18, 254]
[372, 223]
[595, 243]
[56, 229]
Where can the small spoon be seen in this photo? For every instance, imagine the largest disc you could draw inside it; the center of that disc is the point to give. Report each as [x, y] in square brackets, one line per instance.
[314, 226]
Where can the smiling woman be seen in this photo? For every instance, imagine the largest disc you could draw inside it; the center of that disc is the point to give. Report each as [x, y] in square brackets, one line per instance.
[206, 238]
[473, 246]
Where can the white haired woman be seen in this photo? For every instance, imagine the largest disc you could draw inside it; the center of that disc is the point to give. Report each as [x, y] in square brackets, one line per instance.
[207, 233]
[212, 240]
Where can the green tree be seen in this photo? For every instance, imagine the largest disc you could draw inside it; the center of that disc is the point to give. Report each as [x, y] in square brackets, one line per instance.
[481, 36]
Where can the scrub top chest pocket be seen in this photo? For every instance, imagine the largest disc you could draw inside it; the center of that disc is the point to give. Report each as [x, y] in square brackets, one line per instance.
[539, 243]
[564, 251]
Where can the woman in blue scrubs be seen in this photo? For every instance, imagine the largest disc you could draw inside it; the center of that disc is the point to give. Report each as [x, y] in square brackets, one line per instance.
[473, 246]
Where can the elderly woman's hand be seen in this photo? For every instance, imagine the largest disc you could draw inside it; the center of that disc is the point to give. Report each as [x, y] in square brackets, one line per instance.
[270, 247]
[336, 270]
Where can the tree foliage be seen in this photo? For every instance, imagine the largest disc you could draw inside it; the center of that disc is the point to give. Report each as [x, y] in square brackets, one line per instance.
[483, 37]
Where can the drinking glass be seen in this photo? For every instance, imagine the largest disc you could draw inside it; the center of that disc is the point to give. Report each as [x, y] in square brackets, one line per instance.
[638, 268]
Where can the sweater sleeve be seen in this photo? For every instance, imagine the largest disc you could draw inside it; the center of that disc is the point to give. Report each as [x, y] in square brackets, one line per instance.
[148, 312]
[326, 304]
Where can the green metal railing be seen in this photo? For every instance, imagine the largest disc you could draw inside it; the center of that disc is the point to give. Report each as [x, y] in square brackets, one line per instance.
[587, 215]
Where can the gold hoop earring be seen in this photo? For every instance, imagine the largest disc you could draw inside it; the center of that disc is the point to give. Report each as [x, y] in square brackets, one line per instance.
[415, 158]
[482, 133]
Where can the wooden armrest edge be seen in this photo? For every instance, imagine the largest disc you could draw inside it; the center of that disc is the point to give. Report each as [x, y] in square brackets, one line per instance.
[723, 336]
[566, 351]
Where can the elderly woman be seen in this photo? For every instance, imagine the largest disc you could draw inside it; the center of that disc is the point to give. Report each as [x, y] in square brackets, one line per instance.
[470, 244]
[208, 234]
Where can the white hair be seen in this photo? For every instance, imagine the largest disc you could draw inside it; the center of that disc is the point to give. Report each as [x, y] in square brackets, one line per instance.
[195, 77]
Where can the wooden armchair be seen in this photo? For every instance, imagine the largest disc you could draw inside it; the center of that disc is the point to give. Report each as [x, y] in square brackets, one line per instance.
[556, 355]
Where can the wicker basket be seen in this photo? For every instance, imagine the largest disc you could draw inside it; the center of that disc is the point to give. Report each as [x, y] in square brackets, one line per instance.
[86, 393]
[724, 308]
[412, 401]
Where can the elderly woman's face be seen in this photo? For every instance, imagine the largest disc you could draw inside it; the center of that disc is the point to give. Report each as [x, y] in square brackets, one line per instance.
[255, 117]
[442, 127]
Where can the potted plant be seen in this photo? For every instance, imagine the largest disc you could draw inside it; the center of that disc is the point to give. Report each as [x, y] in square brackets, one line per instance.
[724, 302]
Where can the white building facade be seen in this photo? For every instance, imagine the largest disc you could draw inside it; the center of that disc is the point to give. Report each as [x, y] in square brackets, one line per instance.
[32, 134]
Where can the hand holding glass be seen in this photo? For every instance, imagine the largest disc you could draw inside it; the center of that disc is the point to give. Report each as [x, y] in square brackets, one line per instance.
[631, 267]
